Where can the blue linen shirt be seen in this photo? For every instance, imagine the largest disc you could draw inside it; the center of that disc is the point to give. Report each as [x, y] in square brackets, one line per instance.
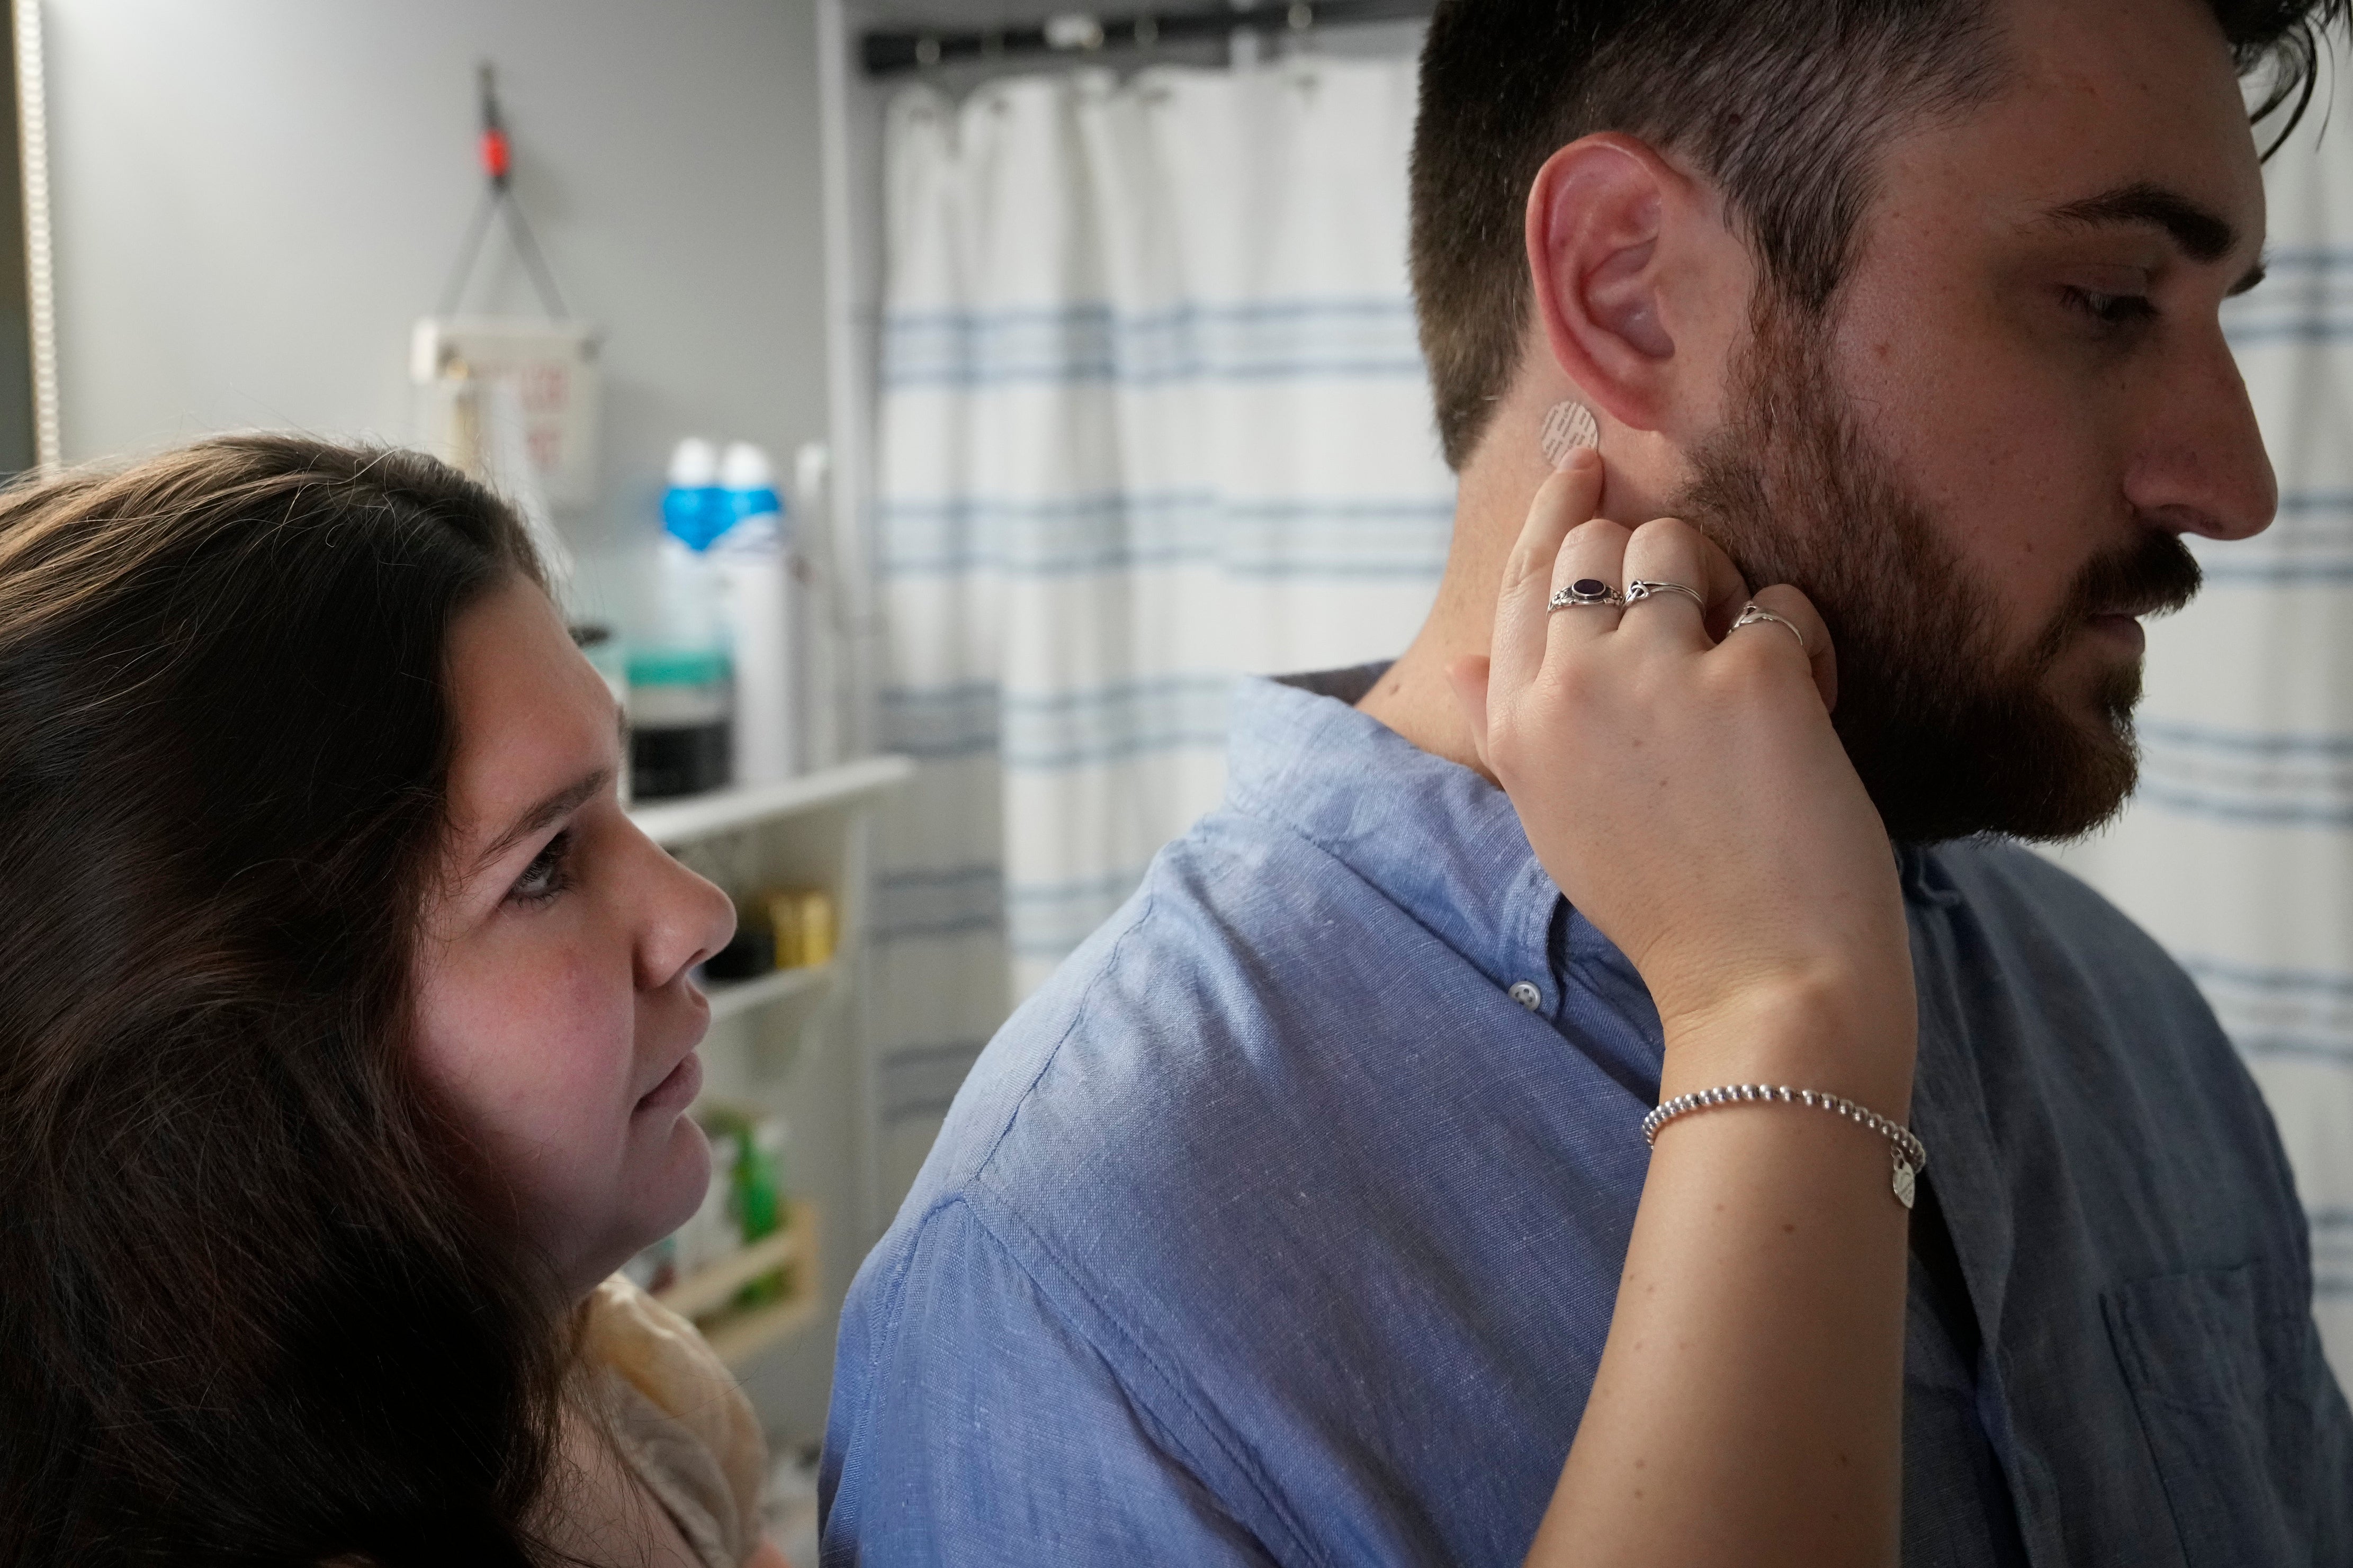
[1283, 1224]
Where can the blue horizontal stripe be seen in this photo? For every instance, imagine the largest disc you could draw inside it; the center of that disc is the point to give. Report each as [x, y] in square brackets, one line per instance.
[1091, 342]
[1351, 510]
[962, 696]
[951, 876]
[953, 1050]
[2335, 984]
[922, 1081]
[2316, 332]
[931, 931]
[1124, 751]
[1090, 373]
[1109, 691]
[2280, 573]
[1190, 310]
[2215, 808]
[1119, 692]
[1055, 731]
[2307, 257]
[1107, 883]
[2297, 1046]
[919, 1111]
[2201, 737]
[1114, 562]
[956, 749]
[938, 723]
[1122, 530]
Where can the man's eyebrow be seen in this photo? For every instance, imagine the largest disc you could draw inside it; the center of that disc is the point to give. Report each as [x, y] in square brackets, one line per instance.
[562, 802]
[2202, 234]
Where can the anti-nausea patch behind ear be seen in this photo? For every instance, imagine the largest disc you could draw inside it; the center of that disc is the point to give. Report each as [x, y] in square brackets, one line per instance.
[1568, 426]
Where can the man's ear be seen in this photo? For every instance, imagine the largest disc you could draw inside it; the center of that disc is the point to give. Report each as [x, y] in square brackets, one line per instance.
[1607, 220]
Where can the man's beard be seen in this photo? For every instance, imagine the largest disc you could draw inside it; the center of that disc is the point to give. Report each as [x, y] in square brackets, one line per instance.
[1951, 735]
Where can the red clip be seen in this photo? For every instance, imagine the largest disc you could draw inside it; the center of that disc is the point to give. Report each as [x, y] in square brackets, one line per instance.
[494, 153]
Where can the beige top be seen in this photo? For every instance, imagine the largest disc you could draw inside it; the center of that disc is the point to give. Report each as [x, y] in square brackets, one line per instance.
[681, 1424]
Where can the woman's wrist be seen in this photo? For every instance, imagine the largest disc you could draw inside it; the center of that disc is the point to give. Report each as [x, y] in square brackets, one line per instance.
[1855, 1035]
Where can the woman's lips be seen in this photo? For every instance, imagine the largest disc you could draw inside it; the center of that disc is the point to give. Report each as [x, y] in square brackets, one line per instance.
[676, 1091]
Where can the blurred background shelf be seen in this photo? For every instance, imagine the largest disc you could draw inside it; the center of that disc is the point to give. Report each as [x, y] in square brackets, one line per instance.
[731, 998]
[692, 818]
[738, 1334]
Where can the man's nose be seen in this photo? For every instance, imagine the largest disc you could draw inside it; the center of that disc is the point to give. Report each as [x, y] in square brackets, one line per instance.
[2201, 468]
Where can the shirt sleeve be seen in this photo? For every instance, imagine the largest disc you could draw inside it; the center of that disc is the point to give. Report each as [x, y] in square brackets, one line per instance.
[972, 1425]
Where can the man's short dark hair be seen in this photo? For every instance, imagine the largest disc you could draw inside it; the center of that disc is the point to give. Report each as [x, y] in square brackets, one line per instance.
[1781, 102]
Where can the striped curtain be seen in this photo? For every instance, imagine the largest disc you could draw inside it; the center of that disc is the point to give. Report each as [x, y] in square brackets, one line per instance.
[1152, 415]
[2237, 853]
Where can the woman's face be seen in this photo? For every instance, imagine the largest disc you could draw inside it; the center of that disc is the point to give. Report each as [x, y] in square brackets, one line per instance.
[554, 1004]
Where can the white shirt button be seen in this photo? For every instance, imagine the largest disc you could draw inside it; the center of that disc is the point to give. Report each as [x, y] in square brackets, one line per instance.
[1527, 994]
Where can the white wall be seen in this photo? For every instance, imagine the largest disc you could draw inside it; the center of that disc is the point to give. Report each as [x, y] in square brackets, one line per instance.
[255, 198]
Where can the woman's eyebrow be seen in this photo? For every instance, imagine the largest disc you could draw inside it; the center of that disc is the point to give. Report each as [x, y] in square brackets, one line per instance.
[562, 802]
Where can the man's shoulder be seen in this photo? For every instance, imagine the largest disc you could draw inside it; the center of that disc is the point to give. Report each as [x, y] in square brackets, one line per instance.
[2089, 997]
[2030, 905]
[1230, 966]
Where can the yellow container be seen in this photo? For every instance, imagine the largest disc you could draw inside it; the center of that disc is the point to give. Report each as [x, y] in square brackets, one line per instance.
[803, 920]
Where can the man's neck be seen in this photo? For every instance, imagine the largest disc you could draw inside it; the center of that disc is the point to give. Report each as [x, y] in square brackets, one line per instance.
[1413, 696]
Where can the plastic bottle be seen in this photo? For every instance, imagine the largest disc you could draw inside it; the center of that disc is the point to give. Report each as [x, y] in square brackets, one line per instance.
[753, 562]
[695, 513]
[680, 701]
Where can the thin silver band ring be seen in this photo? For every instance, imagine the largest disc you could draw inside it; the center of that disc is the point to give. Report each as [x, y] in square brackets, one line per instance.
[1754, 614]
[1639, 590]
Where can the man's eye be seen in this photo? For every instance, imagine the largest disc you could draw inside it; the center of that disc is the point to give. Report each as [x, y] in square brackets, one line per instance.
[549, 873]
[2111, 309]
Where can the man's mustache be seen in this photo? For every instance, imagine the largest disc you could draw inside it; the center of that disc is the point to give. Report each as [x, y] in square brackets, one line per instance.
[2154, 575]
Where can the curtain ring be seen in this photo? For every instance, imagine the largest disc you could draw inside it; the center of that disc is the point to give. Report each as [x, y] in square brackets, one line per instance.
[927, 50]
[1303, 16]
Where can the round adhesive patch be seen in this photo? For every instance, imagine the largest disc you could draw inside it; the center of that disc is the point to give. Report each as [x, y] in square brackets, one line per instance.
[1568, 426]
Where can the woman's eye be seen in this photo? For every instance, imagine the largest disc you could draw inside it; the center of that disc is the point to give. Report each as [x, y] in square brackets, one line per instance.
[548, 874]
[2111, 309]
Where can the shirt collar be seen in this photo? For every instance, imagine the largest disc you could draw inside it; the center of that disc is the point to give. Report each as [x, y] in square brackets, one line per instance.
[1435, 839]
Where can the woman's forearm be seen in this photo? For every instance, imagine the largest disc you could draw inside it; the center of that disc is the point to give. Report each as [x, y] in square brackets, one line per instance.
[1748, 1406]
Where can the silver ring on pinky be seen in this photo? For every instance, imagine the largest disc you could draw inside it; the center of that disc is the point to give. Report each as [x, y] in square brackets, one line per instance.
[1755, 614]
[1638, 590]
[1584, 591]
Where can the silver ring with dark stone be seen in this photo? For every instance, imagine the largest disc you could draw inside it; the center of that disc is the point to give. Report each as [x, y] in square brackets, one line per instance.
[1584, 591]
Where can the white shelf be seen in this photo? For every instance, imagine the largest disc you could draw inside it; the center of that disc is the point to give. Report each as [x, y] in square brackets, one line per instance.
[729, 997]
[739, 1335]
[689, 818]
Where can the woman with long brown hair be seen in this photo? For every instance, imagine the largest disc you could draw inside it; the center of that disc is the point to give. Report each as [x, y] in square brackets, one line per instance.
[346, 1038]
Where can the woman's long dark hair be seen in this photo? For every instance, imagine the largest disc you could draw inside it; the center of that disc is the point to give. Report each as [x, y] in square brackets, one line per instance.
[257, 1305]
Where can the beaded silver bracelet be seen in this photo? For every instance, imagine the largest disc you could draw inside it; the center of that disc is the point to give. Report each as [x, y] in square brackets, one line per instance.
[1911, 1154]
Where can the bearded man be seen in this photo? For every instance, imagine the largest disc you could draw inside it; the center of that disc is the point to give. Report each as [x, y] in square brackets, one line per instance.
[1286, 1222]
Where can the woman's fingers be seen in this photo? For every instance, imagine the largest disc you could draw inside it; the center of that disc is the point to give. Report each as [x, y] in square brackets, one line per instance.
[1592, 559]
[1796, 622]
[1668, 550]
[1564, 501]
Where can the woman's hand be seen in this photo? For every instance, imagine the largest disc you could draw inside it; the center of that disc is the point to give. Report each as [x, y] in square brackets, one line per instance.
[1688, 794]
[1680, 779]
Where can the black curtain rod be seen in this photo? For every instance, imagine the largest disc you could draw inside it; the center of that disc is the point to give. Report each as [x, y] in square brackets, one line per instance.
[889, 52]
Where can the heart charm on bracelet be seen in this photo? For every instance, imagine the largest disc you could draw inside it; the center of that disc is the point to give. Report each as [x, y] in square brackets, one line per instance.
[1903, 1181]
